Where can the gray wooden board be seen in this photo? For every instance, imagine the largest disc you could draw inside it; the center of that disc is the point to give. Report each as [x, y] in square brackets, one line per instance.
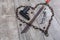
[9, 25]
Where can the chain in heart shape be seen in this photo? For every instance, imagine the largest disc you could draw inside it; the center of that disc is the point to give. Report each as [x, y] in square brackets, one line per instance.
[24, 14]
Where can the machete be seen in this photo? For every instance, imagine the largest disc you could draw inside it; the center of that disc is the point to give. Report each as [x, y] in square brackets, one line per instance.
[28, 26]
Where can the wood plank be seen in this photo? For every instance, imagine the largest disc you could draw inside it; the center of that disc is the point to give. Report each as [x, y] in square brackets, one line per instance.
[8, 30]
[9, 25]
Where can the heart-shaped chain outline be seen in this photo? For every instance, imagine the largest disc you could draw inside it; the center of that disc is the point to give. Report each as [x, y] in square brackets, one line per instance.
[35, 27]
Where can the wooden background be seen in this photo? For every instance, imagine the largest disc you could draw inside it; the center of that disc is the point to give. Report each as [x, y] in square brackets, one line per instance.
[9, 25]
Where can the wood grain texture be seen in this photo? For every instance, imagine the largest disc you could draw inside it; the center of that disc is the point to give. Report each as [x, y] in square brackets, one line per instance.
[9, 25]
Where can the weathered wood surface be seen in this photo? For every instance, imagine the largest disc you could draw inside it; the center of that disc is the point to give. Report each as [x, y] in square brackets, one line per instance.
[9, 25]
